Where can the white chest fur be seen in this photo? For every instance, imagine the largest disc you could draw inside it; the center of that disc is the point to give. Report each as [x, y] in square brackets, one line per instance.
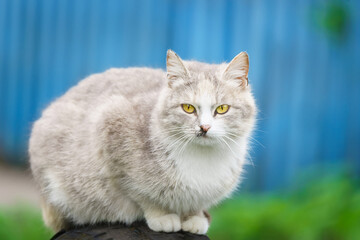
[208, 173]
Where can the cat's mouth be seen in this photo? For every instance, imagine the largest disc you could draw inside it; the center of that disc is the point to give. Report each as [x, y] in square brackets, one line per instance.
[205, 139]
[201, 134]
[203, 131]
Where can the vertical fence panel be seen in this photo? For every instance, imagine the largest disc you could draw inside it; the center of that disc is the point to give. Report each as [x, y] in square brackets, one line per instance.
[305, 80]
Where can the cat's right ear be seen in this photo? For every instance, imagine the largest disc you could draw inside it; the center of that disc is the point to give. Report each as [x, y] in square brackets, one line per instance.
[176, 70]
[237, 70]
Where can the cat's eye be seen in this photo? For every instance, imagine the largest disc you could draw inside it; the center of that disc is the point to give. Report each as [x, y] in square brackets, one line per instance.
[188, 108]
[222, 109]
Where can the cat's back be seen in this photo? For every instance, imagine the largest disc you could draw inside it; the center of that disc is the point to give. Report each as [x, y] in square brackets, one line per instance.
[139, 86]
[128, 82]
[68, 119]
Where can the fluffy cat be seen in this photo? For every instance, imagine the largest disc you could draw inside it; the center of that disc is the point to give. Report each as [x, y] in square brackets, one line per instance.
[139, 143]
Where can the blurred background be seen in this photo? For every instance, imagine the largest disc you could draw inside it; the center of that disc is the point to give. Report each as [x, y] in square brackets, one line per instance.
[303, 182]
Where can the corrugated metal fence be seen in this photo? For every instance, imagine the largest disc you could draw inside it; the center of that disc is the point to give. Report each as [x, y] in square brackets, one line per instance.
[304, 55]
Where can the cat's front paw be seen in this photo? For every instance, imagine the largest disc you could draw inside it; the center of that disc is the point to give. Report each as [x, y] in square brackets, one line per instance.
[195, 224]
[165, 223]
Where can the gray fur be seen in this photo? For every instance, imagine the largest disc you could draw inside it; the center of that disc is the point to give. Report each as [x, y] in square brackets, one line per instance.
[118, 147]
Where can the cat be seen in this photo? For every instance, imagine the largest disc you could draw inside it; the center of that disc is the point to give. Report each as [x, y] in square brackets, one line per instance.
[143, 144]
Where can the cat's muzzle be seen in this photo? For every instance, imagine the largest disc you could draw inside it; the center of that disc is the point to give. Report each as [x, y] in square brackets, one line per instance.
[201, 133]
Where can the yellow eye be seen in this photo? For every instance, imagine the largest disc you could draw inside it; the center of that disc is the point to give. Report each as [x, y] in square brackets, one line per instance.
[222, 109]
[188, 108]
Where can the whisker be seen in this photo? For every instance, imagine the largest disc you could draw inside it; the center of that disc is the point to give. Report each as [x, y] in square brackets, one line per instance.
[176, 141]
[251, 138]
[165, 138]
[184, 145]
[222, 140]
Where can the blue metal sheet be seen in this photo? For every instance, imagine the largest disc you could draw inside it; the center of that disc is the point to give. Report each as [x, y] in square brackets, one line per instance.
[306, 82]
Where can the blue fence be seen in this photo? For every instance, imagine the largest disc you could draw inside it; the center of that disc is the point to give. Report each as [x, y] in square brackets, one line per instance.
[304, 56]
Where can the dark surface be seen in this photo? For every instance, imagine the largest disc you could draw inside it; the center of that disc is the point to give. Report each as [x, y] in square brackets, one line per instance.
[138, 230]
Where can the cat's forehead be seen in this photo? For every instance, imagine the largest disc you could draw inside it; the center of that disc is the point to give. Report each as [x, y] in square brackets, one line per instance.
[206, 91]
[205, 85]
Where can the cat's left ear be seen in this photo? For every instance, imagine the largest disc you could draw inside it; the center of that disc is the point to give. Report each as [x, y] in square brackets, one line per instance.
[237, 70]
[176, 70]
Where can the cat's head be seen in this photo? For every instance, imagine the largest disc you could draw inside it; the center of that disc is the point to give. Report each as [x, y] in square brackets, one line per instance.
[207, 104]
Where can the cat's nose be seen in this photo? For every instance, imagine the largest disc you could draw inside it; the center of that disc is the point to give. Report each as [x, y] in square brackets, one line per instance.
[205, 127]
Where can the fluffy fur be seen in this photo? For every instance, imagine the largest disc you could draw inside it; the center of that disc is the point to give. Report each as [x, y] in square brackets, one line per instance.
[118, 147]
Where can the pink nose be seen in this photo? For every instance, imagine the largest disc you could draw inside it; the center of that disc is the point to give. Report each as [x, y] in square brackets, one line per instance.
[205, 127]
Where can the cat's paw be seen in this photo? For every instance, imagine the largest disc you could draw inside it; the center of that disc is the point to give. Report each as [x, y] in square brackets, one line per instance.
[195, 224]
[165, 223]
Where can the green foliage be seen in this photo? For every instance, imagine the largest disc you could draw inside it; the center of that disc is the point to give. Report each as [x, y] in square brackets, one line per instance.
[333, 17]
[327, 209]
[22, 222]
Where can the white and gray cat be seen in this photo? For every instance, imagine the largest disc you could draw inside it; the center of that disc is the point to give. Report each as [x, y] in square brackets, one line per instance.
[139, 143]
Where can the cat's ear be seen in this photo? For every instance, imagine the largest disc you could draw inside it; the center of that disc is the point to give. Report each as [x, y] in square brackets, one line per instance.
[237, 70]
[175, 68]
